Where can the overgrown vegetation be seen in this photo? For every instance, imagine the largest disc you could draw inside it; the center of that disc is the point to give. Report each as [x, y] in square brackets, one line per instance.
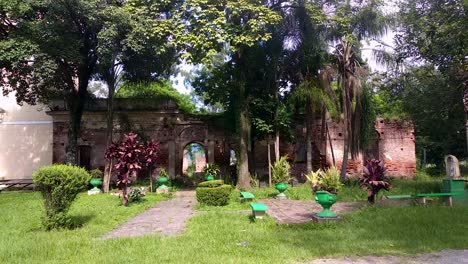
[59, 186]
[159, 91]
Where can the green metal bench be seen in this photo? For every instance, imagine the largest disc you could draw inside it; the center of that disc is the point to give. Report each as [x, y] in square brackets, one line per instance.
[422, 196]
[448, 195]
[246, 196]
[258, 210]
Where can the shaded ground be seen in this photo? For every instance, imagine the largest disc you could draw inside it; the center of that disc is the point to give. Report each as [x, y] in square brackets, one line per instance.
[442, 257]
[297, 212]
[167, 218]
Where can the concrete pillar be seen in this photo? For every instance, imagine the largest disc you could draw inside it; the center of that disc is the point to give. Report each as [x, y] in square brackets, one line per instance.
[172, 158]
[211, 151]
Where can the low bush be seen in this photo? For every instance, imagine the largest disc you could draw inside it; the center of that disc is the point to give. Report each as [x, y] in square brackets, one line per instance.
[96, 174]
[136, 195]
[215, 196]
[214, 183]
[59, 185]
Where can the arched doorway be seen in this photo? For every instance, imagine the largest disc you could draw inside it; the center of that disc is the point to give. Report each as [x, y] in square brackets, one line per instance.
[194, 159]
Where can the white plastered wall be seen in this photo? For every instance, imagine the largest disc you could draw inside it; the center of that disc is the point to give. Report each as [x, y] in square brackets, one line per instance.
[25, 139]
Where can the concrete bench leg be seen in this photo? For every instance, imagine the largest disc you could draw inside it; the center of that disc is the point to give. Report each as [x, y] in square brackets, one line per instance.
[450, 201]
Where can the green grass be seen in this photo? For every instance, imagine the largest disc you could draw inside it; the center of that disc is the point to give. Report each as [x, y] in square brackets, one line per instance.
[352, 192]
[214, 236]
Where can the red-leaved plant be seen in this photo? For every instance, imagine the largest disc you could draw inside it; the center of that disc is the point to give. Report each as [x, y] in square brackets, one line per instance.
[374, 179]
[131, 156]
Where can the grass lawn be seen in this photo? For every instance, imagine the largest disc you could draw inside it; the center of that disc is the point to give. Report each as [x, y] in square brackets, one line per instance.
[222, 236]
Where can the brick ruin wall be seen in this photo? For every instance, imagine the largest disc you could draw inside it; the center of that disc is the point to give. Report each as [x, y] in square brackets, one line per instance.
[395, 141]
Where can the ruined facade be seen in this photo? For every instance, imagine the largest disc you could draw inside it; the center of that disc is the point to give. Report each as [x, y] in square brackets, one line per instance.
[163, 123]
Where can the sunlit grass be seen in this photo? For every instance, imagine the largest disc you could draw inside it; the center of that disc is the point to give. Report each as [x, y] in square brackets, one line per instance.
[220, 235]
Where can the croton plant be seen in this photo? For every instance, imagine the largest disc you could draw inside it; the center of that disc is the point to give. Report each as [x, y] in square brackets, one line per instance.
[374, 179]
[130, 157]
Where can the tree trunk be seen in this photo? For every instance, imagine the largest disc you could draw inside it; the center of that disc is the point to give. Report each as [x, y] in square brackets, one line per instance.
[109, 136]
[370, 197]
[125, 192]
[344, 163]
[243, 164]
[277, 145]
[308, 137]
[75, 107]
[269, 164]
[346, 83]
[331, 145]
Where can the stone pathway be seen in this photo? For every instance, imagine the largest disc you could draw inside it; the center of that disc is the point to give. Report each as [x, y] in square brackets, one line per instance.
[286, 211]
[166, 217]
[442, 257]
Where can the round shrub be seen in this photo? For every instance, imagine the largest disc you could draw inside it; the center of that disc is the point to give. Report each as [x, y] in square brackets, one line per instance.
[59, 185]
[215, 196]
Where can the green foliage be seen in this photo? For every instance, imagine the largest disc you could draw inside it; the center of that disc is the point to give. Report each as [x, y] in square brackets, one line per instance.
[213, 183]
[211, 169]
[59, 185]
[368, 117]
[96, 174]
[280, 170]
[328, 180]
[163, 173]
[158, 90]
[434, 31]
[135, 195]
[214, 196]
[433, 101]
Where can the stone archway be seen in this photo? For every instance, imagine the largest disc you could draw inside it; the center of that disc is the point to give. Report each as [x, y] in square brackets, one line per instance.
[194, 159]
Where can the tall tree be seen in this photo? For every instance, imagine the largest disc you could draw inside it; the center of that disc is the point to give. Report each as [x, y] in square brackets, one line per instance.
[134, 46]
[231, 27]
[435, 32]
[350, 23]
[48, 49]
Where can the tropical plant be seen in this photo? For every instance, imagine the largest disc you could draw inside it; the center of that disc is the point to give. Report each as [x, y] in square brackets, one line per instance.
[131, 157]
[59, 186]
[373, 180]
[280, 170]
[328, 180]
[163, 173]
[211, 169]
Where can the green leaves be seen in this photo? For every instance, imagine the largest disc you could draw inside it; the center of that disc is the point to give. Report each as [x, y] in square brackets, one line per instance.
[211, 26]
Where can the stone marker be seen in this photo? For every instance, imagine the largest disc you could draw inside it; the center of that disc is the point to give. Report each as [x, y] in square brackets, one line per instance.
[452, 167]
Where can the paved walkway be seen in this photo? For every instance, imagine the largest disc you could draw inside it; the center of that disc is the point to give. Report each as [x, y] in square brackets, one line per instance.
[442, 257]
[167, 218]
[286, 211]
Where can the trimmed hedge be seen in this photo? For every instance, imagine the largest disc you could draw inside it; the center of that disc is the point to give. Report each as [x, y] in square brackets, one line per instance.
[215, 196]
[59, 185]
[214, 183]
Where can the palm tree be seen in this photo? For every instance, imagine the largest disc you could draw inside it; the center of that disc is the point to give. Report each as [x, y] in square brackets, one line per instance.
[350, 23]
